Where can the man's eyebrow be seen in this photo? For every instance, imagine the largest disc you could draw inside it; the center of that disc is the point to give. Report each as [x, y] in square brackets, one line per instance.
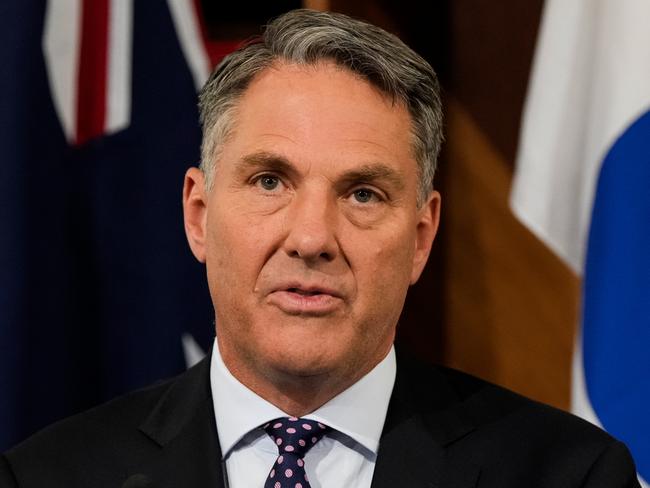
[366, 173]
[265, 160]
[372, 172]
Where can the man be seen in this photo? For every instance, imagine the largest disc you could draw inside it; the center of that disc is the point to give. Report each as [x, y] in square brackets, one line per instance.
[314, 212]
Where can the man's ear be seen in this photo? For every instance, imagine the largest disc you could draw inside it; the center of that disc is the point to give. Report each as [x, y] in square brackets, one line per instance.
[427, 227]
[195, 211]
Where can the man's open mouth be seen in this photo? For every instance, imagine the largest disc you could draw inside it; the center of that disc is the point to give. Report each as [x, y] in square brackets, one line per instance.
[305, 292]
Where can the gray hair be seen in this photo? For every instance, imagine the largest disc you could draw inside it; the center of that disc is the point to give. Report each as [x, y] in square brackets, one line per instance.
[307, 37]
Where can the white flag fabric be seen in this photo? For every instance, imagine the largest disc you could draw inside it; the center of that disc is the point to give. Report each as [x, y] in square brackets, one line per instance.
[581, 184]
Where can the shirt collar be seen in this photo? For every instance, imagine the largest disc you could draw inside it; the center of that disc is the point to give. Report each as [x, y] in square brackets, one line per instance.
[358, 412]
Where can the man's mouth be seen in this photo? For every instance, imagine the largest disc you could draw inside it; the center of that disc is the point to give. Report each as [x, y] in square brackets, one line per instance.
[306, 300]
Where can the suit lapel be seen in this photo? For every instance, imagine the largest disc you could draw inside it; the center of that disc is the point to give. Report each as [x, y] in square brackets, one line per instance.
[423, 421]
[407, 457]
[182, 424]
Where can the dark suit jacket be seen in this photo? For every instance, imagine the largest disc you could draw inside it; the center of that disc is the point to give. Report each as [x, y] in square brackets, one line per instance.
[443, 429]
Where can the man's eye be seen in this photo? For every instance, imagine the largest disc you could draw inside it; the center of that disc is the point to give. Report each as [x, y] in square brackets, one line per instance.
[364, 195]
[268, 182]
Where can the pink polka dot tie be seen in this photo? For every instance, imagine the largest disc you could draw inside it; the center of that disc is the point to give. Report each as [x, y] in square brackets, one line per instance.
[294, 437]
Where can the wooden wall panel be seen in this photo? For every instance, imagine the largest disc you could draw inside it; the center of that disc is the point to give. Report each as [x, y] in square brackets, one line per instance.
[511, 305]
[316, 4]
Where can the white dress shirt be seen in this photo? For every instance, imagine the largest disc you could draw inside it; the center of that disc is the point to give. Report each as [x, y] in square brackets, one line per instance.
[343, 458]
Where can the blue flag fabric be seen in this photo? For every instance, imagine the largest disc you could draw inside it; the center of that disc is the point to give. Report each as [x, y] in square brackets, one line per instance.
[616, 317]
[97, 283]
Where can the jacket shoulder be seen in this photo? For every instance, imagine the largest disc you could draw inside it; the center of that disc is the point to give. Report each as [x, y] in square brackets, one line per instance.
[106, 439]
[488, 405]
[521, 441]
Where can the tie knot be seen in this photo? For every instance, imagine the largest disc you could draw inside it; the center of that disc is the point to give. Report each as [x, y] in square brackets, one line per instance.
[295, 435]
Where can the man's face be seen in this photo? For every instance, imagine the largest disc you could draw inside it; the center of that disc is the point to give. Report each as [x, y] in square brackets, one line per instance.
[311, 233]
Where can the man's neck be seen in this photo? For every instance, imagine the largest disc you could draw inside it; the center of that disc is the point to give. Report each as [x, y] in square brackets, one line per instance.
[296, 394]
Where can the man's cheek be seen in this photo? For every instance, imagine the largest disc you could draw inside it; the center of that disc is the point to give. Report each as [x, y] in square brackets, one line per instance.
[389, 256]
[224, 245]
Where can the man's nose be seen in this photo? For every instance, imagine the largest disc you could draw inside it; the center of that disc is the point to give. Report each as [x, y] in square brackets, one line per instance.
[312, 222]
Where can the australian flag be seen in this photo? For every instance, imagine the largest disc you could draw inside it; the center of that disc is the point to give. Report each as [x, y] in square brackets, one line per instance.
[99, 293]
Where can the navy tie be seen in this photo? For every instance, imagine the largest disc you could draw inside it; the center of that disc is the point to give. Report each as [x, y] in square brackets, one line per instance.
[294, 437]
